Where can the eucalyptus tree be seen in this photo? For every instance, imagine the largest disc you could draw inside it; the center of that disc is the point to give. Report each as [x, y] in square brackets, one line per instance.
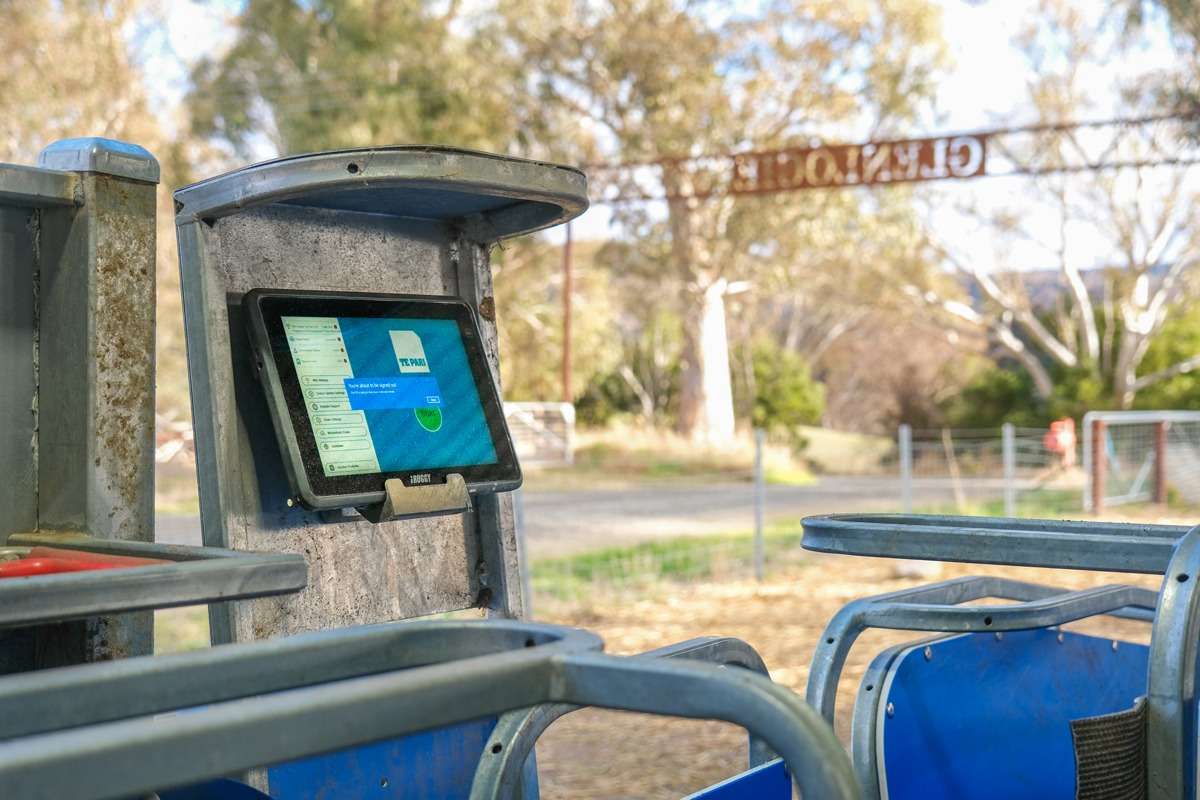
[652, 80]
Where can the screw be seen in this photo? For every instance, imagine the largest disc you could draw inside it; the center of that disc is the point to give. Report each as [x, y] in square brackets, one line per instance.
[1061, 637]
[999, 636]
[929, 654]
[1114, 645]
[290, 502]
[891, 710]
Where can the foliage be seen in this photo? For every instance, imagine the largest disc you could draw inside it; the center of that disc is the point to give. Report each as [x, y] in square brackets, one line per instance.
[645, 384]
[1004, 392]
[528, 283]
[67, 69]
[994, 396]
[1131, 228]
[763, 75]
[342, 73]
[1180, 340]
[785, 394]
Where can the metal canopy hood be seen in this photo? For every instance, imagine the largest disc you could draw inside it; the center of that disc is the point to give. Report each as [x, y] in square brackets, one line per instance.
[497, 196]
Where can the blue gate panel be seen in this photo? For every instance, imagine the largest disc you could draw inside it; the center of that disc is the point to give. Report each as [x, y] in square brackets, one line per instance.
[987, 718]
[767, 782]
[221, 789]
[434, 765]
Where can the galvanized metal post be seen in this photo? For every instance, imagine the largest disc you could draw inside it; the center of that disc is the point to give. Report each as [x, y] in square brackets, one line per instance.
[84, 271]
[1098, 465]
[760, 502]
[523, 554]
[906, 491]
[1008, 439]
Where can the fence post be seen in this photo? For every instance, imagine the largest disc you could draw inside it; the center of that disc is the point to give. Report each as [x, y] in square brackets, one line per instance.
[1098, 465]
[906, 494]
[522, 553]
[760, 501]
[1160, 462]
[1008, 439]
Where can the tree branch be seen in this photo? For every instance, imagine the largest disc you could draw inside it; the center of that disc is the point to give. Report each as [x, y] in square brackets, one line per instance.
[1027, 319]
[1182, 368]
[1042, 382]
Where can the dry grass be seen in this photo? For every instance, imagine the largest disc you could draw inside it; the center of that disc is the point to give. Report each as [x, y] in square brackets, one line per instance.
[628, 456]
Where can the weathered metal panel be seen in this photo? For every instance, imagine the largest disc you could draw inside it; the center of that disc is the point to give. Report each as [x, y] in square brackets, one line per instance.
[96, 379]
[18, 406]
[359, 572]
[97, 363]
[30, 187]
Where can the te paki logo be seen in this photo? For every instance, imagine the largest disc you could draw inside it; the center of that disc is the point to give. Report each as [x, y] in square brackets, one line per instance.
[410, 356]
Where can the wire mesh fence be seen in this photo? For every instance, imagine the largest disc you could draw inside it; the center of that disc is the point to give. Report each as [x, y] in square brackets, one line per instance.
[1004, 471]
[1141, 456]
[1008, 470]
[986, 471]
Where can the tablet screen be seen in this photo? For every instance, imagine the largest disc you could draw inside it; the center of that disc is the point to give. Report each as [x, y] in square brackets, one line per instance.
[380, 386]
[388, 394]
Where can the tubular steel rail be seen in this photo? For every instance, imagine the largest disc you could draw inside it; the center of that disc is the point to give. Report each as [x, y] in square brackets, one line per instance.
[1169, 550]
[500, 770]
[1104, 546]
[935, 608]
[196, 575]
[120, 748]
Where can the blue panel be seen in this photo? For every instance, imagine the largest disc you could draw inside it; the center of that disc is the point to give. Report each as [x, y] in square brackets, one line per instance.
[989, 719]
[223, 789]
[768, 782]
[436, 765]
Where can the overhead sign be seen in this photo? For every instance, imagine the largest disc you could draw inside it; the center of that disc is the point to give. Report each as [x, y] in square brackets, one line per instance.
[873, 163]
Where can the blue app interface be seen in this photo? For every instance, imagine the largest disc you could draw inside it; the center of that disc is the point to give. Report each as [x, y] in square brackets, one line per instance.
[388, 394]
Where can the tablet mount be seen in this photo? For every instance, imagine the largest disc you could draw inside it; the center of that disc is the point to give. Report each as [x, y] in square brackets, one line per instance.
[414, 502]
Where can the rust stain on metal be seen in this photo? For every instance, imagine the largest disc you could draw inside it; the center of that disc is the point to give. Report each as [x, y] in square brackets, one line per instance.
[487, 308]
[124, 350]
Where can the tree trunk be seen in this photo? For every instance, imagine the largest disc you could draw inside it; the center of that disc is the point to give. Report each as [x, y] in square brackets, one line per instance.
[706, 392]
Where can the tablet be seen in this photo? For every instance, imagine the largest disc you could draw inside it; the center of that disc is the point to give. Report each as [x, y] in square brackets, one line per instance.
[363, 388]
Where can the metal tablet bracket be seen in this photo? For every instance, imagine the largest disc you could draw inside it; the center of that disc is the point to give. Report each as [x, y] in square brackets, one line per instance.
[411, 502]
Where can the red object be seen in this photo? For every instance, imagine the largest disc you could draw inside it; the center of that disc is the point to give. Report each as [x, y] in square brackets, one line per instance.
[93, 558]
[1061, 436]
[53, 560]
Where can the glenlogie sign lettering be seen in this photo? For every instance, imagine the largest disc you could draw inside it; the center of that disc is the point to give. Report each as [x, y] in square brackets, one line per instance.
[902, 161]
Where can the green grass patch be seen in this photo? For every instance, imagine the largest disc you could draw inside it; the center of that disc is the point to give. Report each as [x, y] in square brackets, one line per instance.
[679, 560]
[1036, 503]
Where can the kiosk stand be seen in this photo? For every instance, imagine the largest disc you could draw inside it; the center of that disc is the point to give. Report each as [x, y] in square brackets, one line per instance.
[399, 220]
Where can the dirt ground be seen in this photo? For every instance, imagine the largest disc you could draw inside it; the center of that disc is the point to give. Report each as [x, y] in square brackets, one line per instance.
[601, 754]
